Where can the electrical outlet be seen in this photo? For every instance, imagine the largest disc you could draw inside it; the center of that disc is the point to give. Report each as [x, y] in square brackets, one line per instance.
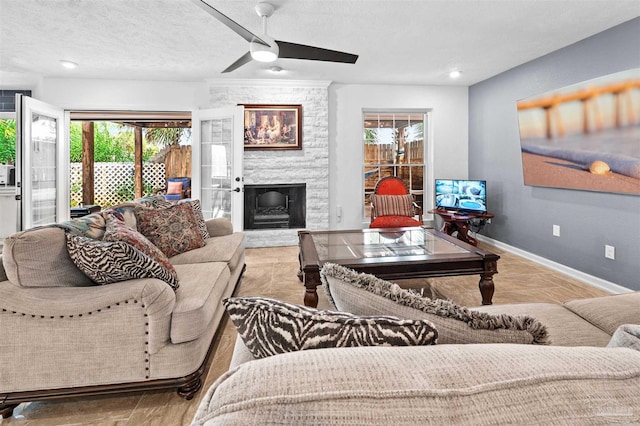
[609, 252]
[556, 230]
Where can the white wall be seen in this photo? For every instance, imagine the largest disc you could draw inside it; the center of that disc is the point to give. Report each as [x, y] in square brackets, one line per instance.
[448, 106]
[97, 94]
[449, 109]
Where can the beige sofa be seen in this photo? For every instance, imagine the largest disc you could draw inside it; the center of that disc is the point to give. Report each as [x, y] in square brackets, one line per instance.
[576, 379]
[59, 340]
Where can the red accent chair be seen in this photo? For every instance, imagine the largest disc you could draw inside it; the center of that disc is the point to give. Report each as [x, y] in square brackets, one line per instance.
[392, 206]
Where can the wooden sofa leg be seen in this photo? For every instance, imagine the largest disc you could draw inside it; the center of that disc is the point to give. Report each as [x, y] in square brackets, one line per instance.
[189, 389]
[6, 410]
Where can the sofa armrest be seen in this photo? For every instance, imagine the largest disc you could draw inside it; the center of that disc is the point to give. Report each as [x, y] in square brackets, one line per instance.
[153, 297]
[219, 227]
[420, 384]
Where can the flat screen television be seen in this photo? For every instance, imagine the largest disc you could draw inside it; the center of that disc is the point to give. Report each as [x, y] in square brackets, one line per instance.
[461, 195]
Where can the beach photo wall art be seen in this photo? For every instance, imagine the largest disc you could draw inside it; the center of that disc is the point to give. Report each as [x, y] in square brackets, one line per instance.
[585, 136]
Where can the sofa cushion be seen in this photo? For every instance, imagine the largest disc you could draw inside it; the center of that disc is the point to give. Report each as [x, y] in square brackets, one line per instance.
[365, 294]
[219, 226]
[173, 229]
[564, 327]
[38, 257]
[227, 249]
[110, 262]
[117, 230]
[201, 290]
[270, 327]
[608, 312]
[463, 385]
[626, 336]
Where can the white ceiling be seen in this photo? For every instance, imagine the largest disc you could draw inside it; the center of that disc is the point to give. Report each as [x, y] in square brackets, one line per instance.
[399, 41]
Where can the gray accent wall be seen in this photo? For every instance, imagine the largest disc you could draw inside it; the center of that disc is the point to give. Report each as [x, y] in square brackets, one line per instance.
[525, 215]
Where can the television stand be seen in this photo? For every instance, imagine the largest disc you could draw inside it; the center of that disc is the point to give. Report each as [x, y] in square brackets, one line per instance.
[460, 222]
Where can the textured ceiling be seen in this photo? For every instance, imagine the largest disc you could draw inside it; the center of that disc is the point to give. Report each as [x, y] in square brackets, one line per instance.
[399, 41]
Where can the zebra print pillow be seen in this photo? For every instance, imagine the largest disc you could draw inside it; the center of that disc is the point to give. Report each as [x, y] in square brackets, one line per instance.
[109, 262]
[269, 327]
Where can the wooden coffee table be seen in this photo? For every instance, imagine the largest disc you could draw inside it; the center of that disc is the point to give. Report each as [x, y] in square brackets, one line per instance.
[393, 254]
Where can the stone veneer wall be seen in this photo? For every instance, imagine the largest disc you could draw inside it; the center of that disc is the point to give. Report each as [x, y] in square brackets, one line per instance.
[309, 165]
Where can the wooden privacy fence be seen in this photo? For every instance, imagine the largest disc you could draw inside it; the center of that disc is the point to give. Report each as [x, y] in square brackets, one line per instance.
[385, 153]
[381, 160]
[177, 160]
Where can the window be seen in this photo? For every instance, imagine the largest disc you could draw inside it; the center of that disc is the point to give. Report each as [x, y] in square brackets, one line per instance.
[394, 145]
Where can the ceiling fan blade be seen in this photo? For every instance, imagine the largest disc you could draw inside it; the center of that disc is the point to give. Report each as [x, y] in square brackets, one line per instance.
[240, 62]
[301, 51]
[237, 28]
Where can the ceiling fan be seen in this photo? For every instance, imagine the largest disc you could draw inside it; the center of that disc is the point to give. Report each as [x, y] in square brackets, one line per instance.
[266, 49]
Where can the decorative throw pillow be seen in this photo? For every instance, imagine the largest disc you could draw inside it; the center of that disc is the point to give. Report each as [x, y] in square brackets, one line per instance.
[365, 294]
[197, 211]
[92, 226]
[269, 327]
[173, 229]
[154, 201]
[393, 205]
[117, 230]
[174, 188]
[110, 262]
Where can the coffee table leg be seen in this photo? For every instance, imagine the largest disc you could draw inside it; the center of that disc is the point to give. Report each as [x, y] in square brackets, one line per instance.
[486, 281]
[311, 282]
[486, 288]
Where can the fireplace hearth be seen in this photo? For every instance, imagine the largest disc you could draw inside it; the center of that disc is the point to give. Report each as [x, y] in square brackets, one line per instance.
[275, 206]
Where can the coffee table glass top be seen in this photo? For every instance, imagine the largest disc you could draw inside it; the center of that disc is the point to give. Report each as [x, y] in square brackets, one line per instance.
[381, 243]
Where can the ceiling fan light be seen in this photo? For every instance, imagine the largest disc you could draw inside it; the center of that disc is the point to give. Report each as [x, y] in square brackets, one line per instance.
[264, 56]
[262, 53]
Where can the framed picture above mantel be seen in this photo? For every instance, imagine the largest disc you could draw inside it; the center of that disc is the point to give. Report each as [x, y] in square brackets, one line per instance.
[272, 127]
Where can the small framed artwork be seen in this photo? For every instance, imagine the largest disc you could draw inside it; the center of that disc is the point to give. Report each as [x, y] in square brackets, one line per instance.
[272, 127]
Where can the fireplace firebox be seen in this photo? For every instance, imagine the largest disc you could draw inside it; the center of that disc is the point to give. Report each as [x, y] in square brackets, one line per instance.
[275, 206]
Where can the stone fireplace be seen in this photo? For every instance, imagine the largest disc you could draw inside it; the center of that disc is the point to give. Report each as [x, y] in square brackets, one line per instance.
[308, 166]
[275, 206]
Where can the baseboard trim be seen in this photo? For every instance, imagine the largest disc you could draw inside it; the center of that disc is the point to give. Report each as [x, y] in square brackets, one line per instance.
[558, 267]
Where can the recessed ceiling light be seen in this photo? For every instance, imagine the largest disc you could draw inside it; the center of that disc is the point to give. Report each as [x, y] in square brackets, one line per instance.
[68, 64]
[276, 69]
[455, 74]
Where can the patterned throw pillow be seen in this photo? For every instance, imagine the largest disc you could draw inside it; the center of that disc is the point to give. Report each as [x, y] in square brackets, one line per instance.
[173, 229]
[393, 205]
[269, 327]
[92, 226]
[154, 201]
[111, 262]
[366, 294]
[197, 211]
[117, 230]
